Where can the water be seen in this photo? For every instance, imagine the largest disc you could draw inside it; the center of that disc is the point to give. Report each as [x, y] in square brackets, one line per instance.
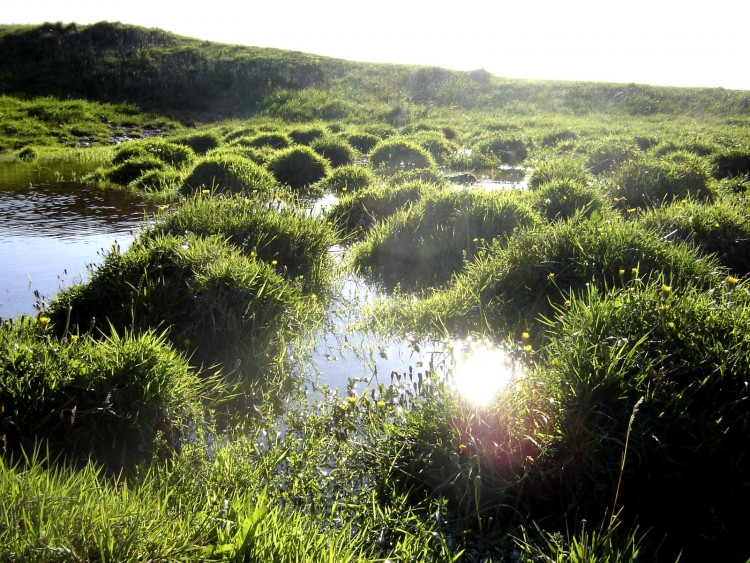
[52, 226]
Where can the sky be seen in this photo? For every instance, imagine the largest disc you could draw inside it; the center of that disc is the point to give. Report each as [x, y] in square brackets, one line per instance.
[661, 42]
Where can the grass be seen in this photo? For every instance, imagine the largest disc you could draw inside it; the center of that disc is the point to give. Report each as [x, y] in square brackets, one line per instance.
[617, 282]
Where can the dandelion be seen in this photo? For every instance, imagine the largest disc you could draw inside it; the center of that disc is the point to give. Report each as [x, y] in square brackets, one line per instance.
[666, 289]
[731, 280]
[44, 320]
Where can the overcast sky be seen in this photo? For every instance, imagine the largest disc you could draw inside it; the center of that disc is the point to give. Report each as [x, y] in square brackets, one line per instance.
[665, 42]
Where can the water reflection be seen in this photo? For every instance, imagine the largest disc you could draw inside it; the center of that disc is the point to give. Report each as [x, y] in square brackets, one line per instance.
[52, 226]
[481, 369]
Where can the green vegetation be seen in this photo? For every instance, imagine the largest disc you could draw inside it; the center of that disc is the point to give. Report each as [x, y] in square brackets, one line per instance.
[159, 410]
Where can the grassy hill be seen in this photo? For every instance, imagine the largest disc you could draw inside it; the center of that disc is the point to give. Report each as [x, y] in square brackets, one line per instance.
[160, 71]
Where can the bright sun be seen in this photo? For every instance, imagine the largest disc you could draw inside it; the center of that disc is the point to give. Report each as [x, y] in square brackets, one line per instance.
[481, 370]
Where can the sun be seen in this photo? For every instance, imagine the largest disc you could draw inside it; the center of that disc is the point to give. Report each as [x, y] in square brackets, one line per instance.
[481, 370]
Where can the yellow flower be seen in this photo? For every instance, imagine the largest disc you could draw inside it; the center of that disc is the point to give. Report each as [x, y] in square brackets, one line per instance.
[528, 348]
[475, 239]
[253, 254]
[666, 289]
[525, 336]
[163, 207]
[632, 210]
[205, 192]
[551, 276]
[274, 262]
[568, 303]
[670, 324]
[352, 400]
[621, 272]
[634, 271]
[313, 297]
[731, 280]
[44, 320]
[74, 338]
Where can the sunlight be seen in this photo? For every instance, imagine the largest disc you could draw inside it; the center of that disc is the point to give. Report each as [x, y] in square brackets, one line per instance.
[481, 370]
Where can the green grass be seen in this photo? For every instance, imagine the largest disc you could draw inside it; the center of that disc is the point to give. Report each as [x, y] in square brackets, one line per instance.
[299, 167]
[228, 173]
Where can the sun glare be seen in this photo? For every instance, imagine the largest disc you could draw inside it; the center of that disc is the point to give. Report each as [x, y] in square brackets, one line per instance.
[481, 370]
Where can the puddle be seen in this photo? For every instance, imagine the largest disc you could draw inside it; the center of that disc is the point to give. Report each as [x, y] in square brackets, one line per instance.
[52, 226]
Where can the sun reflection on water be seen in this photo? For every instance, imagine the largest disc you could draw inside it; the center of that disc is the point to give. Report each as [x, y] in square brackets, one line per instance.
[482, 369]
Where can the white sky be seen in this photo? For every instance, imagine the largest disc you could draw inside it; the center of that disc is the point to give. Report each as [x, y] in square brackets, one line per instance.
[665, 42]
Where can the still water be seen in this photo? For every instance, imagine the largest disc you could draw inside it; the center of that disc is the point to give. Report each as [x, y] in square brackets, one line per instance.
[52, 226]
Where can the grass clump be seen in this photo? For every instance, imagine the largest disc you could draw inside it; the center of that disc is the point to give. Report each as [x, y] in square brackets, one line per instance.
[355, 213]
[397, 153]
[564, 168]
[720, 229]
[199, 142]
[362, 141]
[562, 199]
[132, 169]
[299, 167]
[646, 398]
[171, 153]
[506, 149]
[295, 243]
[732, 163]
[213, 301]
[158, 181]
[306, 135]
[649, 182]
[27, 154]
[335, 149]
[269, 139]
[510, 287]
[349, 179]
[116, 400]
[227, 173]
[426, 244]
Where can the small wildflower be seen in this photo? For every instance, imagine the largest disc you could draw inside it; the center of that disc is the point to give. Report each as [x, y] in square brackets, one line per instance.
[621, 272]
[381, 404]
[634, 271]
[568, 303]
[274, 262]
[632, 210]
[670, 324]
[313, 297]
[525, 336]
[205, 192]
[74, 338]
[253, 254]
[163, 207]
[664, 308]
[731, 280]
[600, 230]
[528, 348]
[666, 289]
[551, 276]
[44, 320]
[475, 239]
[352, 400]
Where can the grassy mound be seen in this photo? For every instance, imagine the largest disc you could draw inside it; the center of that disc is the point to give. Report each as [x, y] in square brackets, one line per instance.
[227, 173]
[171, 153]
[510, 287]
[349, 179]
[398, 153]
[298, 167]
[112, 399]
[429, 242]
[215, 303]
[335, 149]
[296, 243]
[562, 199]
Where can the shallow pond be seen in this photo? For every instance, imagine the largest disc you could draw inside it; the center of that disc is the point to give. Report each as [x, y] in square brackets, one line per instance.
[52, 226]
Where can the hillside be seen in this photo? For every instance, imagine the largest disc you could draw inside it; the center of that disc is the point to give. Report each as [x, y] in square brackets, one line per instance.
[167, 73]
